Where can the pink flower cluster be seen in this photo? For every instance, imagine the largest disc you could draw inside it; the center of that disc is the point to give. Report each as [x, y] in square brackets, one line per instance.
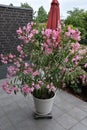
[9, 89]
[51, 87]
[27, 33]
[84, 79]
[76, 59]
[50, 38]
[73, 34]
[7, 58]
[85, 65]
[66, 60]
[75, 47]
[20, 50]
[29, 89]
[28, 69]
[26, 89]
[12, 70]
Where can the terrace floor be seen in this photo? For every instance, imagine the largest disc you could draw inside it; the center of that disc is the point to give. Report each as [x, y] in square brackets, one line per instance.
[16, 113]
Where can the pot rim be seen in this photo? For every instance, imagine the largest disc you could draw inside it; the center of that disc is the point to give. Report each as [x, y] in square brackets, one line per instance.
[45, 99]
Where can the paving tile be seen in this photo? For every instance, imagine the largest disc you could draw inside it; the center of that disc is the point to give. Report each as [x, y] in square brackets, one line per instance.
[72, 99]
[2, 113]
[25, 105]
[56, 112]
[5, 124]
[46, 124]
[66, 121]
[11, 107]
[79, 126]
[1, 91]
[27, 125]
[65, 106]
[16, 116]
[58, 97]
[5, 101]
[53, 126]
[77, 113]
[4, 95]
[18, 97]
[84, 121]
[82, 106]
[28, 128]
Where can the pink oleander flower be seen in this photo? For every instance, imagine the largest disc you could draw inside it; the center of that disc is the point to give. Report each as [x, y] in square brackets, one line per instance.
[5, 84]
[55, 35]
[84, 79]
[37, 86]
[11, 71]
[19, 31]
[34, 31]
[47, 32]
[51, 87]
[32, 23]
[17, 63]
[76, 58]
[85, 65]
[11, 56]
[30, 70]
[30, 36]
[67, 34]
[48, 51]
[26, 65]
[24, 28]
[26, 89]
[48, 41]
[4, 59]
[28, 28]
[19, 48]
[8, 89]
[25, 71]
[35, 73]
[40, 82]
[73, 33]
[66, 60]
[32, 89]
[76, 35]
[76, 46]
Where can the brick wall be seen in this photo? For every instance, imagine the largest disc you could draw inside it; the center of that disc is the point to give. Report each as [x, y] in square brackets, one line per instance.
[11, 18]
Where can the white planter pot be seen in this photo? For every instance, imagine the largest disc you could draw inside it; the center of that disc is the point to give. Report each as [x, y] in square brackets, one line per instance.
[43, 106]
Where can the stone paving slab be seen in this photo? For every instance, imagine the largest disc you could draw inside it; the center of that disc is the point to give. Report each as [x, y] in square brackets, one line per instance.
[16, 113]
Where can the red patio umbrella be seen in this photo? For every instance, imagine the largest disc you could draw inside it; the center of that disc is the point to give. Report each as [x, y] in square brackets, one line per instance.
[54, 17]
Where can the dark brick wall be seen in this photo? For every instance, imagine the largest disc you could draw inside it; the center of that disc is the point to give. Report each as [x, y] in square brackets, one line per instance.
[11, 18]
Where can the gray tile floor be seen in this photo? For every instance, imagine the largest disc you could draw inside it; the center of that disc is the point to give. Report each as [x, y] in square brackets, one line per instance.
[16, 113]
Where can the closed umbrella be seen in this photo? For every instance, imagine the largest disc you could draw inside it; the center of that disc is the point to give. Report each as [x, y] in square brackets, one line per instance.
[54, 17]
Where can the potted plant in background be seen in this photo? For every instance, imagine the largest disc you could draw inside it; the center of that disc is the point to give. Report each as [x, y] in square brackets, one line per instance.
[43, 70]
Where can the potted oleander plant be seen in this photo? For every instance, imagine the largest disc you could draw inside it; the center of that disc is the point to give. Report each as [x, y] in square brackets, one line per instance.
[42, 70]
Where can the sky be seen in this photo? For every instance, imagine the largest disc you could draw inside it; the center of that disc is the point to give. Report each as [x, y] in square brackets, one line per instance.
[65, 5]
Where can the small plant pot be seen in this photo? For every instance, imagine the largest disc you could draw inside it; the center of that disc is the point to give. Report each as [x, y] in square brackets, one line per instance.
[43, 106]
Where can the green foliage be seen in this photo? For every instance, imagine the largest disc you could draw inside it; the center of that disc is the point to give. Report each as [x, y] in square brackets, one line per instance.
[72, 78]
[25, 5]
[42, 15]
[39, 27]
[11, 4]
[78, 18]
